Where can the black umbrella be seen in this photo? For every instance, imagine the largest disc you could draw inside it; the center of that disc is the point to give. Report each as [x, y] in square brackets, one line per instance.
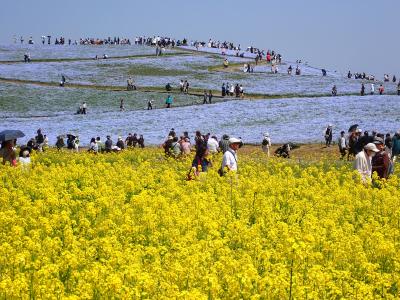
[9, 135]
[353, 128]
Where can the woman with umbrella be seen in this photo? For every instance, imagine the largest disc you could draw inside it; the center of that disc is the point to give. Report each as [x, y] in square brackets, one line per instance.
[8, 139]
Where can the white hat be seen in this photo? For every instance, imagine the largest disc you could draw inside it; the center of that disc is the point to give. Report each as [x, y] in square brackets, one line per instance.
[358, 130]
[266, 134]
[234, 141]
[371, 147]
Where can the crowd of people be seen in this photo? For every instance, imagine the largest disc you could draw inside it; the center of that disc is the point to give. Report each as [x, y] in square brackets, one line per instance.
[205, 147]
[372, 152]
[232, 90]
[364, 76]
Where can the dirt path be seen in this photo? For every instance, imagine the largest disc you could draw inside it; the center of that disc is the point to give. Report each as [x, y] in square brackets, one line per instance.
[56, 60]
[154, 89]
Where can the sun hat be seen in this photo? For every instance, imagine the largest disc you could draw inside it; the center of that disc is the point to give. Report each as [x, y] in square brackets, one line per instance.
[266, 134]
[371, 147]
[378, 140]
[234, 141]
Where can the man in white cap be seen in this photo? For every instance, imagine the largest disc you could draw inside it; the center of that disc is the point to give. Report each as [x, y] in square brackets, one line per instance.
[363, 162]
[229, 160]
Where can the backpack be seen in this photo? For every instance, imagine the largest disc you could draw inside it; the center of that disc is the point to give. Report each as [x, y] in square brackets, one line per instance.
[265, 142]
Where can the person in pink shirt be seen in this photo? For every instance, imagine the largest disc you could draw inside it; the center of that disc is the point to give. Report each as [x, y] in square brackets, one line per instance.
[185, 146]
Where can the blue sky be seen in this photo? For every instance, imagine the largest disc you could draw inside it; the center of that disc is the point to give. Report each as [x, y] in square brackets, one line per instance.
[360, 35]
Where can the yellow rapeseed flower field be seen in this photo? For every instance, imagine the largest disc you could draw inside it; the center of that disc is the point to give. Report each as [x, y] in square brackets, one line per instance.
[129, 226]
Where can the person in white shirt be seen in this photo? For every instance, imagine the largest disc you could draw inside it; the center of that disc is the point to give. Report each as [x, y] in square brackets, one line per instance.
[372, 89]
[266, 143]
[363, 161]
[212, 145]
[230, 159]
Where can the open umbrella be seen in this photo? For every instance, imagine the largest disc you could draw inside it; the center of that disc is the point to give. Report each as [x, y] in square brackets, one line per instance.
[353, 128]
[9, 135]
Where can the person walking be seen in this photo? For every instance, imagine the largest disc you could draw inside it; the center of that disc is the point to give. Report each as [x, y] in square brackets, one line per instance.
[363, 161]
[121, 105]
[230, 158]
[205, 96]
[149, 104]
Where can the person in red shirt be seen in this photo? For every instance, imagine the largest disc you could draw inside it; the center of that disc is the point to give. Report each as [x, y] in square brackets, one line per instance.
[381, 89]
[381, 161]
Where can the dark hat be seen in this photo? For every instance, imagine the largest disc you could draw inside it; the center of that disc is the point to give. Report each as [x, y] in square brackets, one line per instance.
[378, 140]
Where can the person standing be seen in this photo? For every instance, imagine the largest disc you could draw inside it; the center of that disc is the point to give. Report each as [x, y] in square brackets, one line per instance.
[342, 145]
[388, 142]
[363, 161]
[84, 108]
[121, 105]
[230, 159]
[398, 89]
[223, 90]
[334, 91]
[9, 153]
[381, 161]
[181, 86]
[168, 101]
[381, 89]
[362, 89]
[108, 144]
[266, 143]
[93, 146]
[328, 135]
[39, 140]
[396, 146]
[212, 145]
[141, 141]
[224, 143]
[210, 95]
[372, 89]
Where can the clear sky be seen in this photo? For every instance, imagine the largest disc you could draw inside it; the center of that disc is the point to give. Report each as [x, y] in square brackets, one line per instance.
[357, 35]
